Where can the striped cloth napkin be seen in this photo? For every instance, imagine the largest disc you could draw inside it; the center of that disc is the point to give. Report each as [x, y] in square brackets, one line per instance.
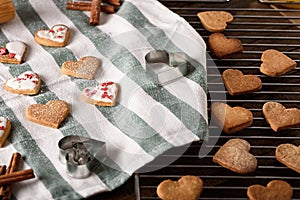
[147, 119]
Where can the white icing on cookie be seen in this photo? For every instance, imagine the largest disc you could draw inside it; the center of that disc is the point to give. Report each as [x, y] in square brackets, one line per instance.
[26, 81]
[105, 92]
[3, 122]
[17, 48]
[56, 33]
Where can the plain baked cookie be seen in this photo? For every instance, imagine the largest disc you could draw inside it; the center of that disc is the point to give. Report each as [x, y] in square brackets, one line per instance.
[275, 190]
[215, 21]
[280, 117]
[222, 47]
[105, 94]
[13, 52]
[186, 188]
[26, 83]
[237, 83]
[5, 127]
[234, 155]
[275, 63]
[230, 119]
[85, 68]
[57, 36]
[289, 155]
[52, 114]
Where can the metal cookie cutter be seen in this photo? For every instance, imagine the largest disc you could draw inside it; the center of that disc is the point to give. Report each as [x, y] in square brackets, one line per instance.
[163, 67]
[78, 153]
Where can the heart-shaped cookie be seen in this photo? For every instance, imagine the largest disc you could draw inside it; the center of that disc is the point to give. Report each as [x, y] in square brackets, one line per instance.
[222, 47]
[230, 119]
[275, 63]
[234, 155]
[57, 36]
[237, 83]
[186, 188]
[86, 67]
[13, 52]
[51, 114]
[276, 189]
[289, 155]
[105, 94]
[215, 21]
[5, 127]
[279, 117]
[26, 83]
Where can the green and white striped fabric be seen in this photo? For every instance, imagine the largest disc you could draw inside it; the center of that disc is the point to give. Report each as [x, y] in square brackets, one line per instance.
[147, 120]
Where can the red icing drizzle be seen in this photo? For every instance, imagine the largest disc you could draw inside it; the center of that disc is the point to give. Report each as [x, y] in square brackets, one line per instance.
[3, 51]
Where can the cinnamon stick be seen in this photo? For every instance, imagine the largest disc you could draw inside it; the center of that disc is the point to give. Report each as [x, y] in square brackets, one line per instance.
[16, 177]
[112, 2]
[95, 12]
[2, 169]
[86, 6]
[6, 191]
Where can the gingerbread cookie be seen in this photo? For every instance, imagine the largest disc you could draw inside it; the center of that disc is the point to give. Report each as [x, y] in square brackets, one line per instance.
[289, 155]
[279, 117]
[26, 83]
[234, 155]
[186, 188]
[275, 63]
[13, 52]
[105, 94]
[230, 119]
[237, 83]
[57, 36]
[276, 189]
[222, 47]
[5, 127]
[84, 68]
[215, 21]
[52, 114]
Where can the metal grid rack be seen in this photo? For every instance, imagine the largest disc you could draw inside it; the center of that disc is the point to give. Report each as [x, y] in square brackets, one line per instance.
[258, 28]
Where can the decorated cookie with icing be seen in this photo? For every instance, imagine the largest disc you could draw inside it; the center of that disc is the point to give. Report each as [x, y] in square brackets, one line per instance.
[105, 94]
[26, 83]
[13, 52]
[5, 127]
[86, 67]
[57, 36]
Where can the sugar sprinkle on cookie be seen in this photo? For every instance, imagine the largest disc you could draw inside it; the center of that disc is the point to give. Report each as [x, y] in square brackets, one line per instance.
[234, 155]
[186, 188]
[85, 68]
[52, 114]
[215, 21]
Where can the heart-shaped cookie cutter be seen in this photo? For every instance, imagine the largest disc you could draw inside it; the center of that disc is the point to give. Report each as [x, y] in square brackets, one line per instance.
[163, 67]
[79, 154]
